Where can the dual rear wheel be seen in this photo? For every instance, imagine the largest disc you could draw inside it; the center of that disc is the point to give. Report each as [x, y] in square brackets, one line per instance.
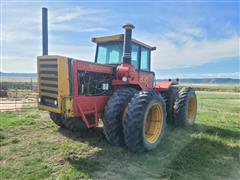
[136, 118]
[181, 106]
[185, 107]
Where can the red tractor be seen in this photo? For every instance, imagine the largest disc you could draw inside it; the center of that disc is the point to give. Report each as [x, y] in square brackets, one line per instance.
[119, 88]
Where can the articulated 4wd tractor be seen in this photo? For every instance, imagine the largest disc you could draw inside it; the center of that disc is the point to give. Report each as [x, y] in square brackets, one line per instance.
[119, 89]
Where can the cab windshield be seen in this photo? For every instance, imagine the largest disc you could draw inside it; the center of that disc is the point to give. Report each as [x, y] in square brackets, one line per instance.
[111, 53]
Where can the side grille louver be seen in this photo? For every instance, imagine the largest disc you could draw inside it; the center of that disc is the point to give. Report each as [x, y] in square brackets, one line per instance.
[48, 85]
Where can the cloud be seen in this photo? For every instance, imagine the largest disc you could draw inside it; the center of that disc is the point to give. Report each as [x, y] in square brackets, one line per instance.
[77, 51]
[193, 31]
[11, 62]
[21, 42]
[185, 51]
[66, 16]
[11, 36]
[79, 19]
[79, 27]
[25, 24]
[79, 13]
[185, 35]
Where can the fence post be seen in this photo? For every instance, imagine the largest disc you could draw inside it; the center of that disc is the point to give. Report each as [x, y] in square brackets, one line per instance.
[16, 100]
[31, 85]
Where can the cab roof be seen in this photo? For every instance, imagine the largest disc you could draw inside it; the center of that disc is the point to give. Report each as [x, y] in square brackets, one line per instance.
[119, 37]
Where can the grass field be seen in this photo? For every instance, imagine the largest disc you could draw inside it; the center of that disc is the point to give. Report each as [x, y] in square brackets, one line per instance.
[32, 147]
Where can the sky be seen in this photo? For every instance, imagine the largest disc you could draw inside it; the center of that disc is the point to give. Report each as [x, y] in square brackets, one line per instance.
[194, 39]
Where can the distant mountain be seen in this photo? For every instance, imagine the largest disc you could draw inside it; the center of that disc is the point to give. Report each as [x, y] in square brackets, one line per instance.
[208, 81]
[18, 75]
[190, 80]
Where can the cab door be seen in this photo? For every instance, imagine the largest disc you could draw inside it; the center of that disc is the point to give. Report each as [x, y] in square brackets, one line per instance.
[145, 74]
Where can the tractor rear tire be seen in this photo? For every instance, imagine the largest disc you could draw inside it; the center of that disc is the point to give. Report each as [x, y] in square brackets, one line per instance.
[56, 118]
[113, 116]
[185, 107]
[74, 124]
[145, 121]
[170, 97]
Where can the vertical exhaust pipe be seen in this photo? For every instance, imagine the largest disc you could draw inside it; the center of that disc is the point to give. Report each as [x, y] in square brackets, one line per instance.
[127, 48]
[44, 31]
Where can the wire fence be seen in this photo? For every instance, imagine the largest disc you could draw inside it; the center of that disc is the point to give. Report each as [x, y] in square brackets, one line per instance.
[18, 96]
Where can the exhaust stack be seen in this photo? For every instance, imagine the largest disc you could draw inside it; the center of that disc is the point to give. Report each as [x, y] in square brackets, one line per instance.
[127, 48]
[44, 31]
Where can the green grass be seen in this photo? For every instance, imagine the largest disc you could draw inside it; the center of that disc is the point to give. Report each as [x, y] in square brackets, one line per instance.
[13, 119]
[35, 148]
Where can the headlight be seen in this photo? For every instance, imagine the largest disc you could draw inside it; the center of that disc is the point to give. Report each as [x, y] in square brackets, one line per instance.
[55, 103]
[124, 79]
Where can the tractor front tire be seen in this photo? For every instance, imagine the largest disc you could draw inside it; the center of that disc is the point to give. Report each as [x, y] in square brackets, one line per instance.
[113, 116]
[185, 107]
[145, 121]
[170, 98]
[74, 124]
[56, 118]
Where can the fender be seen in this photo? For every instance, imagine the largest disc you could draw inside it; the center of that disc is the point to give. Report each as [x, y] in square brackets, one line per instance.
[164, 85]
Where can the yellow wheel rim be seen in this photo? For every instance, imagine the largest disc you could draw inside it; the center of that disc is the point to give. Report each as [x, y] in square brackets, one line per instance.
[154, 123]
[192, 108]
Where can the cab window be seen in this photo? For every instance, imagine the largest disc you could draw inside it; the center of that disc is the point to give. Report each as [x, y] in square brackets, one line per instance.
[134, 55]
[145, 57]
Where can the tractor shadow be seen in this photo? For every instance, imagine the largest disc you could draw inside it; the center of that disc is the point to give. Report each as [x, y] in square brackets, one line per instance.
[181, 155]
[91, 161]
[94, 137]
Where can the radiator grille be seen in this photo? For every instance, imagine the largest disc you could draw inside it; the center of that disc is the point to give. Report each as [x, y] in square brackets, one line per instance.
[48, 81]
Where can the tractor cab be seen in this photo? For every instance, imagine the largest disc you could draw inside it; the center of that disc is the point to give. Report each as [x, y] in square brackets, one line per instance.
[110, 50]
